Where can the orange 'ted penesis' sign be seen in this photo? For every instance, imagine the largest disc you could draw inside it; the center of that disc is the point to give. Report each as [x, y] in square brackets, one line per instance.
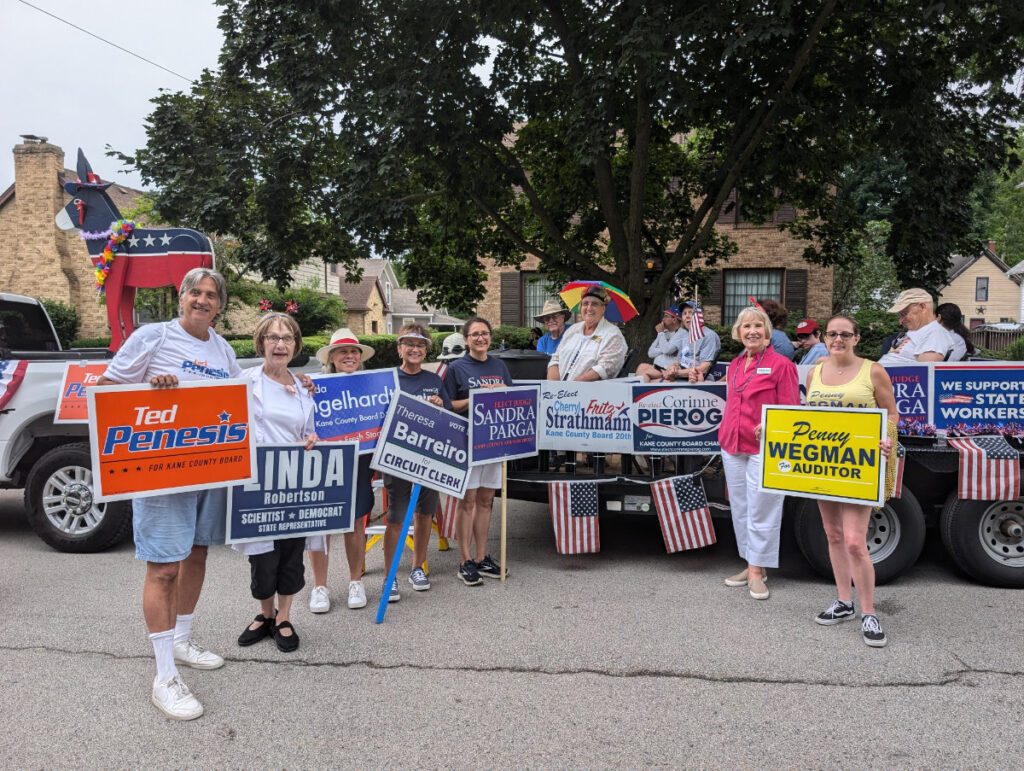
[149, 441]
[78, 376]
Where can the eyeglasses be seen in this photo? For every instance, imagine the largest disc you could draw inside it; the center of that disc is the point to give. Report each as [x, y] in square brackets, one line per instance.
[593, 304]
[457, 350]
[832, 335]
[479, 334]
[274, 339]
[418, 344]
[905, 311]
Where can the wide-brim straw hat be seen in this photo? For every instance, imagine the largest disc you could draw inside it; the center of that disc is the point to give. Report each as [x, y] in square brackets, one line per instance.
[552, 308]
[343, 338]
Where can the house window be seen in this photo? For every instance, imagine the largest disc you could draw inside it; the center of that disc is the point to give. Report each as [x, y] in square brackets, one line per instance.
[981, 289]
[537, 288]
[387, 292]
[976, 322]
[740, 285]
[373, 327]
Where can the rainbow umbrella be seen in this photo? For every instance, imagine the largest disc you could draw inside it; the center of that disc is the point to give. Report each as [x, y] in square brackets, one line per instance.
[620, 309]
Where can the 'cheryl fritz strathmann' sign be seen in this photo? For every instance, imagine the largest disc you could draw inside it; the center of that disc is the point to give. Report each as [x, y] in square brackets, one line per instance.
[585, 416]
[425, 445]
[298, 492]
[502, 424]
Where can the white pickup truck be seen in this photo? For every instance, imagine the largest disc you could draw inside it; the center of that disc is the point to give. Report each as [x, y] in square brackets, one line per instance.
[50, 460]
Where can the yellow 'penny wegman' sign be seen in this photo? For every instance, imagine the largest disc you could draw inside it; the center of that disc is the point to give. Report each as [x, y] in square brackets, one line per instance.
[824, 452]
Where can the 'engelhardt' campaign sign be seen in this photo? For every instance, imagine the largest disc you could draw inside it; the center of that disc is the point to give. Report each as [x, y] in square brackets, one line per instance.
[149, 441]
[352, 407]
[502, 424]
[830, 453]
[425, 445]
[78, 376]
[677, 418]
[585, 416]
[981, 396]
[299, 492]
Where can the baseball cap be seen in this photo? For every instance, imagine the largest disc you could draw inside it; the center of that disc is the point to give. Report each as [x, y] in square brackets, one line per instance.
[909, 297]
[673, 311]
[807, 327]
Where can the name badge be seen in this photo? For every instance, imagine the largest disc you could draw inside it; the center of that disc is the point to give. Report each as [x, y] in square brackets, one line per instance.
[764, 370]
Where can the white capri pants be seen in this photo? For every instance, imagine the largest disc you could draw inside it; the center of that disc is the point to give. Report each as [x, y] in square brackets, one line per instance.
[756, 515]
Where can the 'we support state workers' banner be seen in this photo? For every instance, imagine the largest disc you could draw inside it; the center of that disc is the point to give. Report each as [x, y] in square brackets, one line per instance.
[425, 445]
[353, 407]
[149, 441]
[299, 492]
[502, 424]
[829, 453]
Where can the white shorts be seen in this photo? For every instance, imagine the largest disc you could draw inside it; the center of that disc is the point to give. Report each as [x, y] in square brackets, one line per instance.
[487, 475]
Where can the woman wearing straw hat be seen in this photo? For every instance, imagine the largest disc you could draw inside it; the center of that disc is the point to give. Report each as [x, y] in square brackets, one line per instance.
[593, 349]
[553, 316]
[345, 354]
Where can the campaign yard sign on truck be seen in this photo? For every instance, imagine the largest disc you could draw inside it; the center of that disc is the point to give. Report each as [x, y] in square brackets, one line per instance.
[425, 445]
[148, 441]
[987, 398]
[502, 424]
[585, 416]
[298, 492]
[677, 418]
[78, 376]
[353, 407]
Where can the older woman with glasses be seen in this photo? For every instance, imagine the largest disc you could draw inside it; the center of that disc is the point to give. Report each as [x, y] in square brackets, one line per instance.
[758, 376]
[593, 349]
[843, 379]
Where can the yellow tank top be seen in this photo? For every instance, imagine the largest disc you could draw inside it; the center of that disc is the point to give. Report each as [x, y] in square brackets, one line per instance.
[859, 392]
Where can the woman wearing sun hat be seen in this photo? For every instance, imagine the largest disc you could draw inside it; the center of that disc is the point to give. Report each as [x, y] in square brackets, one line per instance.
[345, 354]
[593, 349]
[554, 316]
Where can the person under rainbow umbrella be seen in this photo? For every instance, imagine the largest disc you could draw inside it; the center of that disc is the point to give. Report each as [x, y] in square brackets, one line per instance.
[619, 308]
[593, 349]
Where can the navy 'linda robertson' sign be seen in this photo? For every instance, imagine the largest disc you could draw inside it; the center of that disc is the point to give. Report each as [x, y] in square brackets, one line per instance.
[352, 407]
[425, 445]
[298, 492]
[677, 418]
[502, 424]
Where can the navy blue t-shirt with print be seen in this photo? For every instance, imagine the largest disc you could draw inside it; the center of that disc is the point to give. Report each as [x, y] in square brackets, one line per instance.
[467, 373]
[423, 384]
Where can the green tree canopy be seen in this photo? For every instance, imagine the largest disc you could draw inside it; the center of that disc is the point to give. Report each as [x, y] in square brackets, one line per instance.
[595, 135]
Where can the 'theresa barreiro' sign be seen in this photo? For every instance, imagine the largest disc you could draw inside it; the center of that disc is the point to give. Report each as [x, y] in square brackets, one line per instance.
[78, 376]
[829, 453]
[677, 418]
[149, 441]
[353, 407]
[425, 445]
[585, 416]
[299, 492]
[502, 424]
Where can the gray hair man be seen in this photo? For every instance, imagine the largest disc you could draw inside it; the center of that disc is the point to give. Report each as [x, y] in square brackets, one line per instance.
[926, 339]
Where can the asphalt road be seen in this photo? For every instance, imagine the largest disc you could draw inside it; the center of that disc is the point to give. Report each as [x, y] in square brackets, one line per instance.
[630, 658]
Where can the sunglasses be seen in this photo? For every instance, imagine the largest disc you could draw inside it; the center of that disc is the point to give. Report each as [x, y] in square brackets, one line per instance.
[456, 350]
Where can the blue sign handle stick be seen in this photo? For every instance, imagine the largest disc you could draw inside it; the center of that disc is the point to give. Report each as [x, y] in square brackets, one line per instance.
[414, 498]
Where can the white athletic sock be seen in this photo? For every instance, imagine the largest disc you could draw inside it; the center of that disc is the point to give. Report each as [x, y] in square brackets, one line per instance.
[183, 628]
[163, 647]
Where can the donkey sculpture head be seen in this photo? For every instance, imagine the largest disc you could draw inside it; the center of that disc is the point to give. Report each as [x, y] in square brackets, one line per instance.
[147, 257]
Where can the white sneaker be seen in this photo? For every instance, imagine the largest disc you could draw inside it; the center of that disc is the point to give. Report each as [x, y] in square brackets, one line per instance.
[191, 655]
[174, 699]
[356, 594]
[319, 600]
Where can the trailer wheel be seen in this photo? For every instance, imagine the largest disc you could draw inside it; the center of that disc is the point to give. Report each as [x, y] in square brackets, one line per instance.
[895, 536]
[986, 539]
[60, 507]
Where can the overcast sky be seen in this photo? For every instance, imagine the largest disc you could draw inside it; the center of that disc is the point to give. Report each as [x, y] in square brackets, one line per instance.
[63, 84]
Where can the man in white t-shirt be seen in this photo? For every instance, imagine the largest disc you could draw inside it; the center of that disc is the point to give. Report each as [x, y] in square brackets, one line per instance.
[664, 350]
[926, 339]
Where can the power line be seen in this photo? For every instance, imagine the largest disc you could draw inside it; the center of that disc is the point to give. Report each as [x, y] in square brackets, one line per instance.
[104, 40]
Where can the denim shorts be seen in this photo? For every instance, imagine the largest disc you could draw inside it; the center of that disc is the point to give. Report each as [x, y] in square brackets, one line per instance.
[168, 526]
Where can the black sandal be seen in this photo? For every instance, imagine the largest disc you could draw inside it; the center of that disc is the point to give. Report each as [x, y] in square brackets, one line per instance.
[289, 643]
[252, 636]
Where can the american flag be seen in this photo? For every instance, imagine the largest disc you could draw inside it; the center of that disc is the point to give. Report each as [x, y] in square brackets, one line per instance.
[445, 517]
[989, 469]
[683, 513]
[696, 322]
[441, 369]
[574, 512]
[901, 462]
[11, 374]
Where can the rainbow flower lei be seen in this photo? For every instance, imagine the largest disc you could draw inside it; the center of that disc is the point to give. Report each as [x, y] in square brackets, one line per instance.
[119, 232]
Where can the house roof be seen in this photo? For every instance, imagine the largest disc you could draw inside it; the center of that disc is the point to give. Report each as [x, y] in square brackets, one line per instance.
[960, 263]
[357, 295]
[124, 197]
[405, 301]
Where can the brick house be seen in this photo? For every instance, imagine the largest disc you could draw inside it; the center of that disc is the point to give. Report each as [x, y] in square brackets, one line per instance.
[980, 286]
[768, 264]
[36, 257]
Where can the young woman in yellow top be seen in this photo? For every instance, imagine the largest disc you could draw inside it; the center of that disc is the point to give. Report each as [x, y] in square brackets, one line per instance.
[846, 380]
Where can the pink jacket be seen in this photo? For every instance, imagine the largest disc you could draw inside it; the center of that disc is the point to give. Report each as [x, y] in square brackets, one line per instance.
[771, 379]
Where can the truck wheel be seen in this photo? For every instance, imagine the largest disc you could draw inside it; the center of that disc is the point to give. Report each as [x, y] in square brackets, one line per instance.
[58, 500]
[986, 539]
[895, 536]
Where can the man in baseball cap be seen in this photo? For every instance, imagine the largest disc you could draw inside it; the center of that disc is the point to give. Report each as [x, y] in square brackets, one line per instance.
[668, 338]
[927, 339]
[808, 338]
